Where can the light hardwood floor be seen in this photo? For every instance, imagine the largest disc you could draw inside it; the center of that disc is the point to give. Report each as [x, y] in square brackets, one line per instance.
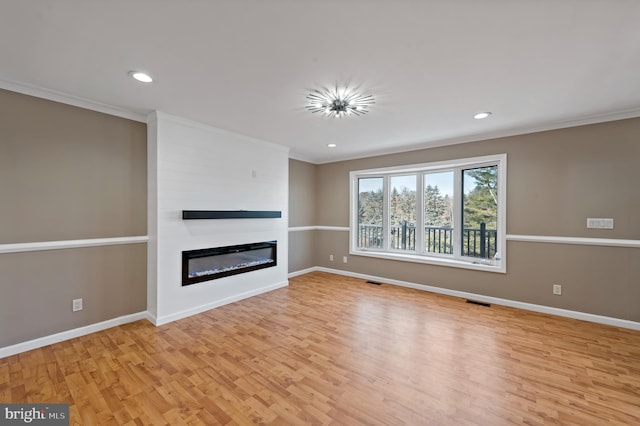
[334, 350]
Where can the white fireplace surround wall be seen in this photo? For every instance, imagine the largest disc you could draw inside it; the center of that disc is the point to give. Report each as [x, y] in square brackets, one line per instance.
[192, 166]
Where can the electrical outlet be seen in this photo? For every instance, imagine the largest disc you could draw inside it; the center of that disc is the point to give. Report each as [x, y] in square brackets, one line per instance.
[557, 289]
[77, 305]
[330, 258]
[344, 259]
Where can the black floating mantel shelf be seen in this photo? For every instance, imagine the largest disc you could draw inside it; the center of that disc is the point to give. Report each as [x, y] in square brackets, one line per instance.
[230, 214]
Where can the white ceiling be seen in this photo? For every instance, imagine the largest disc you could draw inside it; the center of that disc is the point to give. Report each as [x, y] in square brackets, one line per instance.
[247, 65]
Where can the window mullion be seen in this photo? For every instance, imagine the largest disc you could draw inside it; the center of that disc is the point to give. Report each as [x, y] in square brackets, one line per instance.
[386, 213]
[457, 213]
[419, 232]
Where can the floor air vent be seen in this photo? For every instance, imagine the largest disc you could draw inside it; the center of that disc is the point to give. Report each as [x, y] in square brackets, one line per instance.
[475, 302]
[374, 282]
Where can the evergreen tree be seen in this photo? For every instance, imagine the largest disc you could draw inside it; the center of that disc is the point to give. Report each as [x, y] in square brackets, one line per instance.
[436, 208]
[393, 205]
[481, 203]
[370, 209]
[448, 214]
[403, 206]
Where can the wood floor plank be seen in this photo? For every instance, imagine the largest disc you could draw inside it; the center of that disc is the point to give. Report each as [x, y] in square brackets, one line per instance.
[329, 349]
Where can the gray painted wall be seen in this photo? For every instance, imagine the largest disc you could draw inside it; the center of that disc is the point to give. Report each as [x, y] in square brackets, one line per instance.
[302, 212]
[68, 173]
[302, 193]
[304, 254]
[556, 179]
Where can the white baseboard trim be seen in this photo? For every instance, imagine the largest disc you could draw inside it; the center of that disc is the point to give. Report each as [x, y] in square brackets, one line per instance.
[208, 306]
[88, 329]
[303, 271]
[81, 331]
[70, 334]
[616, 322]
[151, 318]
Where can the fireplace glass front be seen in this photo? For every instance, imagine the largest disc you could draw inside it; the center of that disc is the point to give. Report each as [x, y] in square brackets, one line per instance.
[217, 262]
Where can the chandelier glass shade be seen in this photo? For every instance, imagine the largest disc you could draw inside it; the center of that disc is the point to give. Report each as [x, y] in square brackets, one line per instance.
[339, 102]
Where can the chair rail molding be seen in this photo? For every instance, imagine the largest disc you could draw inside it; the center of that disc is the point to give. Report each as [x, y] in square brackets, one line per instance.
[67, 244]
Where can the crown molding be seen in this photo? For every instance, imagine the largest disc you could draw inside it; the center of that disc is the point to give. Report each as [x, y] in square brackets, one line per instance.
[63, 98]
[479, 137]
[155, 116]
[77, 101]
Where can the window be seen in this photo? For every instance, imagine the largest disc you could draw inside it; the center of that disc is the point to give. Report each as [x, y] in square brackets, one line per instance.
[403, 212]
[370, 215]
[448, 213]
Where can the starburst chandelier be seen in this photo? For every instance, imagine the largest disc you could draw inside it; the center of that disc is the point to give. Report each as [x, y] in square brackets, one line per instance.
[339, 102]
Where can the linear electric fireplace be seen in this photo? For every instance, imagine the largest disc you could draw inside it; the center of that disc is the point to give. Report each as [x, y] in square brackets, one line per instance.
[212, 263]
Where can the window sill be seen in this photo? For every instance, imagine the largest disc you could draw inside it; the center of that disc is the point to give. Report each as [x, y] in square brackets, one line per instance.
[500, 267]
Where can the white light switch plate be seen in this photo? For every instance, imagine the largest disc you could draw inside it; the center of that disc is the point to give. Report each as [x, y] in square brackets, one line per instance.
[599, 223]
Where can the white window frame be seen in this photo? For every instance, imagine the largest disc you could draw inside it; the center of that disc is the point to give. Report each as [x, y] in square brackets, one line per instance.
[455, 260]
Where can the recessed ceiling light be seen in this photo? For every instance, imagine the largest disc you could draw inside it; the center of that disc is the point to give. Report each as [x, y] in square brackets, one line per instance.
[140, 76]
[481, 115]
[331, 145]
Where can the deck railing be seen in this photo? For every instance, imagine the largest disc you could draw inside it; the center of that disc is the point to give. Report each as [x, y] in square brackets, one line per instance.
[476, 242]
